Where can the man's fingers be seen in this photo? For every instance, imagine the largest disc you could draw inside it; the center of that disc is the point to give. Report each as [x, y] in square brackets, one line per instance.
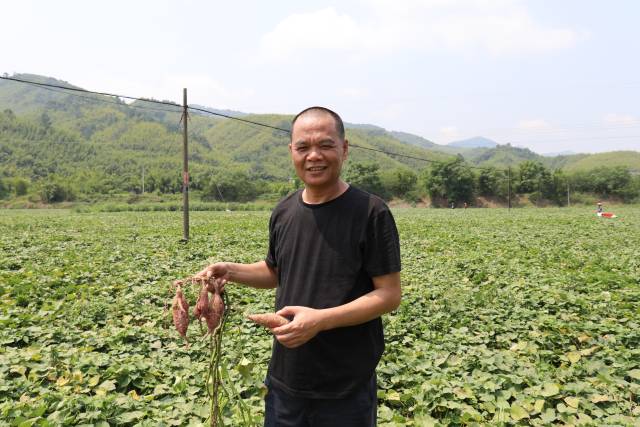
[289, 340]
[289, 311]
[282, 330]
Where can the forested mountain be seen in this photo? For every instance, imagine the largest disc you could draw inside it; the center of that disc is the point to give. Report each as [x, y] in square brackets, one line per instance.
[475, 142]
[102, 144]
[98, 144]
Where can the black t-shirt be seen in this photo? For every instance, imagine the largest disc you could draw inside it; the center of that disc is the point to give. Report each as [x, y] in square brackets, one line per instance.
[326, 255]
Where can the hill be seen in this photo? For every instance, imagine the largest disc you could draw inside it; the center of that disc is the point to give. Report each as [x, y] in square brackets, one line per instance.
[90, 138]
[475, 142]
[105, 145]
[629, 159]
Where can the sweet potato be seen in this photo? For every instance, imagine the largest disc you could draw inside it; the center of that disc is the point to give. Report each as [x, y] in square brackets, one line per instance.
[215, 286]
[202, 305]
[268, 320]
[214, 312]
[180, 311]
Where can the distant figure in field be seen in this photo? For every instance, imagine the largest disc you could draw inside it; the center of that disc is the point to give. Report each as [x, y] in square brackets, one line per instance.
[599, 209]
[465, 205]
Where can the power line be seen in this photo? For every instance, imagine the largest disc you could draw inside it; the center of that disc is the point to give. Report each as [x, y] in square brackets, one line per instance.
[108, 101]
[48, 85]
[239, 119]
[133, 98]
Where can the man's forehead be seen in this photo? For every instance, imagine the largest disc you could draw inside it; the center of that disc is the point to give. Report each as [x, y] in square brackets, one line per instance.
[315, 115]
[314, 121]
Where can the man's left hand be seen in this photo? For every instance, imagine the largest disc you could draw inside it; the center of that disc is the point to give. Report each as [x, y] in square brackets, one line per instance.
[306, 324]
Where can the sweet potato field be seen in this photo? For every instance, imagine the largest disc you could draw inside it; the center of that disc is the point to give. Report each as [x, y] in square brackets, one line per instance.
[530, 317]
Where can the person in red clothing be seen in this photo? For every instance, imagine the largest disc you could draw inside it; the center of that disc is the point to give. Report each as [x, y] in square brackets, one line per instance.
[334, 256]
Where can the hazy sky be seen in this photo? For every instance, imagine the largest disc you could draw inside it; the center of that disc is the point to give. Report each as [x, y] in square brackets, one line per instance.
[549, 75]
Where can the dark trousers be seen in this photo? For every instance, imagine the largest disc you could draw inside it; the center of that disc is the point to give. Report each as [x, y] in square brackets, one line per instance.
[358, 409]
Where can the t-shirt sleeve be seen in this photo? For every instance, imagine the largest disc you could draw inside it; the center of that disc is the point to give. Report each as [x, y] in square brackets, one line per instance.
[382, 246]
[271, 252]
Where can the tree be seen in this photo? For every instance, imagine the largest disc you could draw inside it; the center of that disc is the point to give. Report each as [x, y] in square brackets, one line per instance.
[399, 182]
[4, 189]
[531, 173]
[366, 176]
[232, 186]
[490, 182]
[20, 186]
[54, 190]
[452, 181]
[45, 121]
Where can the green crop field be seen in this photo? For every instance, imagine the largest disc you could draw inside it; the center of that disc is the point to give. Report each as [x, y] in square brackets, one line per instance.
[525, 317]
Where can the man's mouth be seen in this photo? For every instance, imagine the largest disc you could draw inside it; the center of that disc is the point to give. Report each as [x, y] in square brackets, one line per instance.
[316, 168]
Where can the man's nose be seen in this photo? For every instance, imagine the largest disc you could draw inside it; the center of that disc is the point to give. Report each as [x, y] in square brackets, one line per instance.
[314, 154]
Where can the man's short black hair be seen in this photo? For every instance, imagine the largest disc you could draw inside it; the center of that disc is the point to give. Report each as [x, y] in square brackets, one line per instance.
[316, 109]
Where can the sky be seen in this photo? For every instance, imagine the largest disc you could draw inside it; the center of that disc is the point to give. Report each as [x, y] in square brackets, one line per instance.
[549, 75]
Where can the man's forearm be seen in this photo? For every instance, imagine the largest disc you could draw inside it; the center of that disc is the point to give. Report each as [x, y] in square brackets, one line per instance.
[369, 306]
[256, 275]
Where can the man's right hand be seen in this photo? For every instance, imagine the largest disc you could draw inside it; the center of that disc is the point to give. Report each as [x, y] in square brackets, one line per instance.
[257, 275]
[219, 271]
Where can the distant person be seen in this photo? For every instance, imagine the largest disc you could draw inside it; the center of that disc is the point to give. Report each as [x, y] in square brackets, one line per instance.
[599, 208]
[334, 256]
[465, 205]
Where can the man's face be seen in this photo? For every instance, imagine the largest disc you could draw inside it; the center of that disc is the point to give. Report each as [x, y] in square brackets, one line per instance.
[317, 150]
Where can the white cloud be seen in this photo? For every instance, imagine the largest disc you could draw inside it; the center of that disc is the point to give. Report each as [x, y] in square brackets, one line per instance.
[621, 119]
[353, 93]
[449, 134]
[322, 29]
[497, 27]
[533, 125]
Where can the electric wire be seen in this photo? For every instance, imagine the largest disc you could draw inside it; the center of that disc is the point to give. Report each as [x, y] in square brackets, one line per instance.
[75, 89]
[202, 110]
[108, 101]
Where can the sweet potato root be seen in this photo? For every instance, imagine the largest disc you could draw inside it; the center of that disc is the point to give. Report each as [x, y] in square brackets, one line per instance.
[268, 320]
[202, 305]
[214, 313]
[180, 312]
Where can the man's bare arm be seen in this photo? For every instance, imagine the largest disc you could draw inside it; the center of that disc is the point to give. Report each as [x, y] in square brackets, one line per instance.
[256, 275]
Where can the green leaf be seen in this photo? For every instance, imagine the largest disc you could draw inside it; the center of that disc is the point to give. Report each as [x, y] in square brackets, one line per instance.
[550, 389]
[392, 396]
[548, 416]
[634, 373]
[597, 398]
[538, 405]
[93, 381]
[517, 412]
[108, 385]
[128, 417]
[573, 356]
[572, 401]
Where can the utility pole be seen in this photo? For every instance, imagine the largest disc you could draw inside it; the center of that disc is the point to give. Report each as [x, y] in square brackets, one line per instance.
[142, 179]
[509, 188]
[185, 170]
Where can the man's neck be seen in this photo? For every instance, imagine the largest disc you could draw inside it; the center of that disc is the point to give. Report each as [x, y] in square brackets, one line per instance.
[315, 196]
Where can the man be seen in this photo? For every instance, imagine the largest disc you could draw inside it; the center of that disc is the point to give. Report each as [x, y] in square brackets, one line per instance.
[334, 257]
